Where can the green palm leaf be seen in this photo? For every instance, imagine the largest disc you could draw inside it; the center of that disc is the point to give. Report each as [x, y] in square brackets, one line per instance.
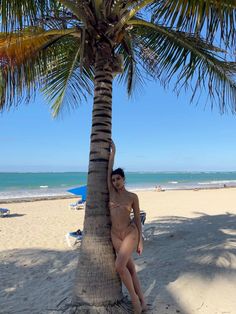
[17, 47]
[215, 17]
[98, 7]
[192, 59]
[16, 14]
[79, 9]
[131, 75]
[162, 51]
[65, 85]
[22, 65]
[36, 59]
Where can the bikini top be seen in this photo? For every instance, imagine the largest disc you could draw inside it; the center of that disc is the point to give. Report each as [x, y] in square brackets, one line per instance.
[113, 204]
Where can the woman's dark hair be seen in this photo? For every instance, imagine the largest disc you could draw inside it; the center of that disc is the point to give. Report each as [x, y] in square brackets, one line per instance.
[118, 171]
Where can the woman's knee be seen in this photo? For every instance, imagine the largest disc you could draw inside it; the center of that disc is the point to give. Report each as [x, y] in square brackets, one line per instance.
[120, 267]
[131, 267]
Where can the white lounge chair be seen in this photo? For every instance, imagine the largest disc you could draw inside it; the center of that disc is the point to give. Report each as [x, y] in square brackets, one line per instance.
[81, 192]
[76, 236]
[80, 204]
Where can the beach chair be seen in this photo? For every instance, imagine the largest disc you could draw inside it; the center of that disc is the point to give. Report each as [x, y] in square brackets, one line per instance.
[4, 212]
[142, 216]
[76, 236]
[81, 191]
[80, 204]
[142, 219]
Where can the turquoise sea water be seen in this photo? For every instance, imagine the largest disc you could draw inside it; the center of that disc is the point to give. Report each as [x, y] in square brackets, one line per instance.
[21, 185]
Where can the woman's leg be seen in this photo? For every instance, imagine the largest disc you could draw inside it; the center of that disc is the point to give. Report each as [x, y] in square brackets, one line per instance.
[126, 248]
[136, 283]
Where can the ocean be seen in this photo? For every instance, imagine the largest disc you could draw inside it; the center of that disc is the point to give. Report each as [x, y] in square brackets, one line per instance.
[53, 184]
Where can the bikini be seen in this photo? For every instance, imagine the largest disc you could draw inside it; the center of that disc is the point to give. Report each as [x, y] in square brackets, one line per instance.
[122, 234]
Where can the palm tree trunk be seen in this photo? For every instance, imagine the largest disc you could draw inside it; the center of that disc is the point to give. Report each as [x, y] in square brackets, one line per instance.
[97, 282]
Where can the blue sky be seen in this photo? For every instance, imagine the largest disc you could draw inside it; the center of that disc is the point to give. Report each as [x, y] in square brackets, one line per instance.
[153, 131]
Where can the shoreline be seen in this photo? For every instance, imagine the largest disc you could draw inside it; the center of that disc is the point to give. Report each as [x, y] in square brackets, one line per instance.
[61, 197]
[36, 199]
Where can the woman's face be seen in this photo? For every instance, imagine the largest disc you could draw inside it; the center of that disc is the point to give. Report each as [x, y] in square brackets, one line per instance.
[118, 181]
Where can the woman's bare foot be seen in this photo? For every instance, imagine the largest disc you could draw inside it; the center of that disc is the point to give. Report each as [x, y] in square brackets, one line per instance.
[136, 305]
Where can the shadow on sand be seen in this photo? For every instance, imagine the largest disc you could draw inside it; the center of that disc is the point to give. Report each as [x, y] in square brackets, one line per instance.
[14, 215]
[37, 281]
[203, 246]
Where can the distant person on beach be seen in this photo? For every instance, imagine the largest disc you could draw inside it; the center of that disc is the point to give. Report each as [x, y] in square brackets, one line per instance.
[158, 188]
[126, 235]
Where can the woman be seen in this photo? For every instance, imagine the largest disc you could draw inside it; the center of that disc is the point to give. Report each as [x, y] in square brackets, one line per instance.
[126, 235]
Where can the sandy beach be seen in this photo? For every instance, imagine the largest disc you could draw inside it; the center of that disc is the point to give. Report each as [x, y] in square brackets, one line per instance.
[188, 265]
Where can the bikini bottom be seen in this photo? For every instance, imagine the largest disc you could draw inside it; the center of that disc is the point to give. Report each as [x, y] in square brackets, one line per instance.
[121, 234]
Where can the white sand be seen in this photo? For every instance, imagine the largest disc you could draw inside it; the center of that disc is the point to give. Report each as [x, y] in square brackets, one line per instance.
[188, 265]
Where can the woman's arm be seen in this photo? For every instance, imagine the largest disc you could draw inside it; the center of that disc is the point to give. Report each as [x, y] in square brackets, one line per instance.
[110, 165]
[138, 223]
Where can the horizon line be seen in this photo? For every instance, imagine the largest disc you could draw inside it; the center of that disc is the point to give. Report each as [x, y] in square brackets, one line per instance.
[126, 171]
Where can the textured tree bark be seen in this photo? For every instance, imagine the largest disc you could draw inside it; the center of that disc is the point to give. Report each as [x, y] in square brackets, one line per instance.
[97, 283]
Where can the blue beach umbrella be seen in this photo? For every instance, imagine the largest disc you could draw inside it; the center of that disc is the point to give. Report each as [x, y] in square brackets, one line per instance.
[80, 191]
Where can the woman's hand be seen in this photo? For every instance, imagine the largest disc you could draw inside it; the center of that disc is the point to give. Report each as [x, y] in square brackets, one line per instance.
[113, 147]
[140, 247]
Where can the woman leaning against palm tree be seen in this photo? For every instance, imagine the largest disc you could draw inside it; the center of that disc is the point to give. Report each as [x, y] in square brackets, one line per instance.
[69, 49]
[126, 234]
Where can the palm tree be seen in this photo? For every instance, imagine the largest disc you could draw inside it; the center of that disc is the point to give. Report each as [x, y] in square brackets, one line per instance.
[72, 49]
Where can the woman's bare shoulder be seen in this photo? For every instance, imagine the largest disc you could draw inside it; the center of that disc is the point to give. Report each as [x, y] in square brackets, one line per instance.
[132, 195]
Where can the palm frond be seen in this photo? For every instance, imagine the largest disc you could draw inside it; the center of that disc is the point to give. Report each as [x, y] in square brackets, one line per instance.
[44, 45]
[131, 10]
[22, 65]
[192, 59]
[118, 7]
[63, 20]
[131, 75]
[16, 14]
[15, 48]
[213, 17]
[66, 83]
[20, 82]
[98, 7]
[77, 8]
[54, 69]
